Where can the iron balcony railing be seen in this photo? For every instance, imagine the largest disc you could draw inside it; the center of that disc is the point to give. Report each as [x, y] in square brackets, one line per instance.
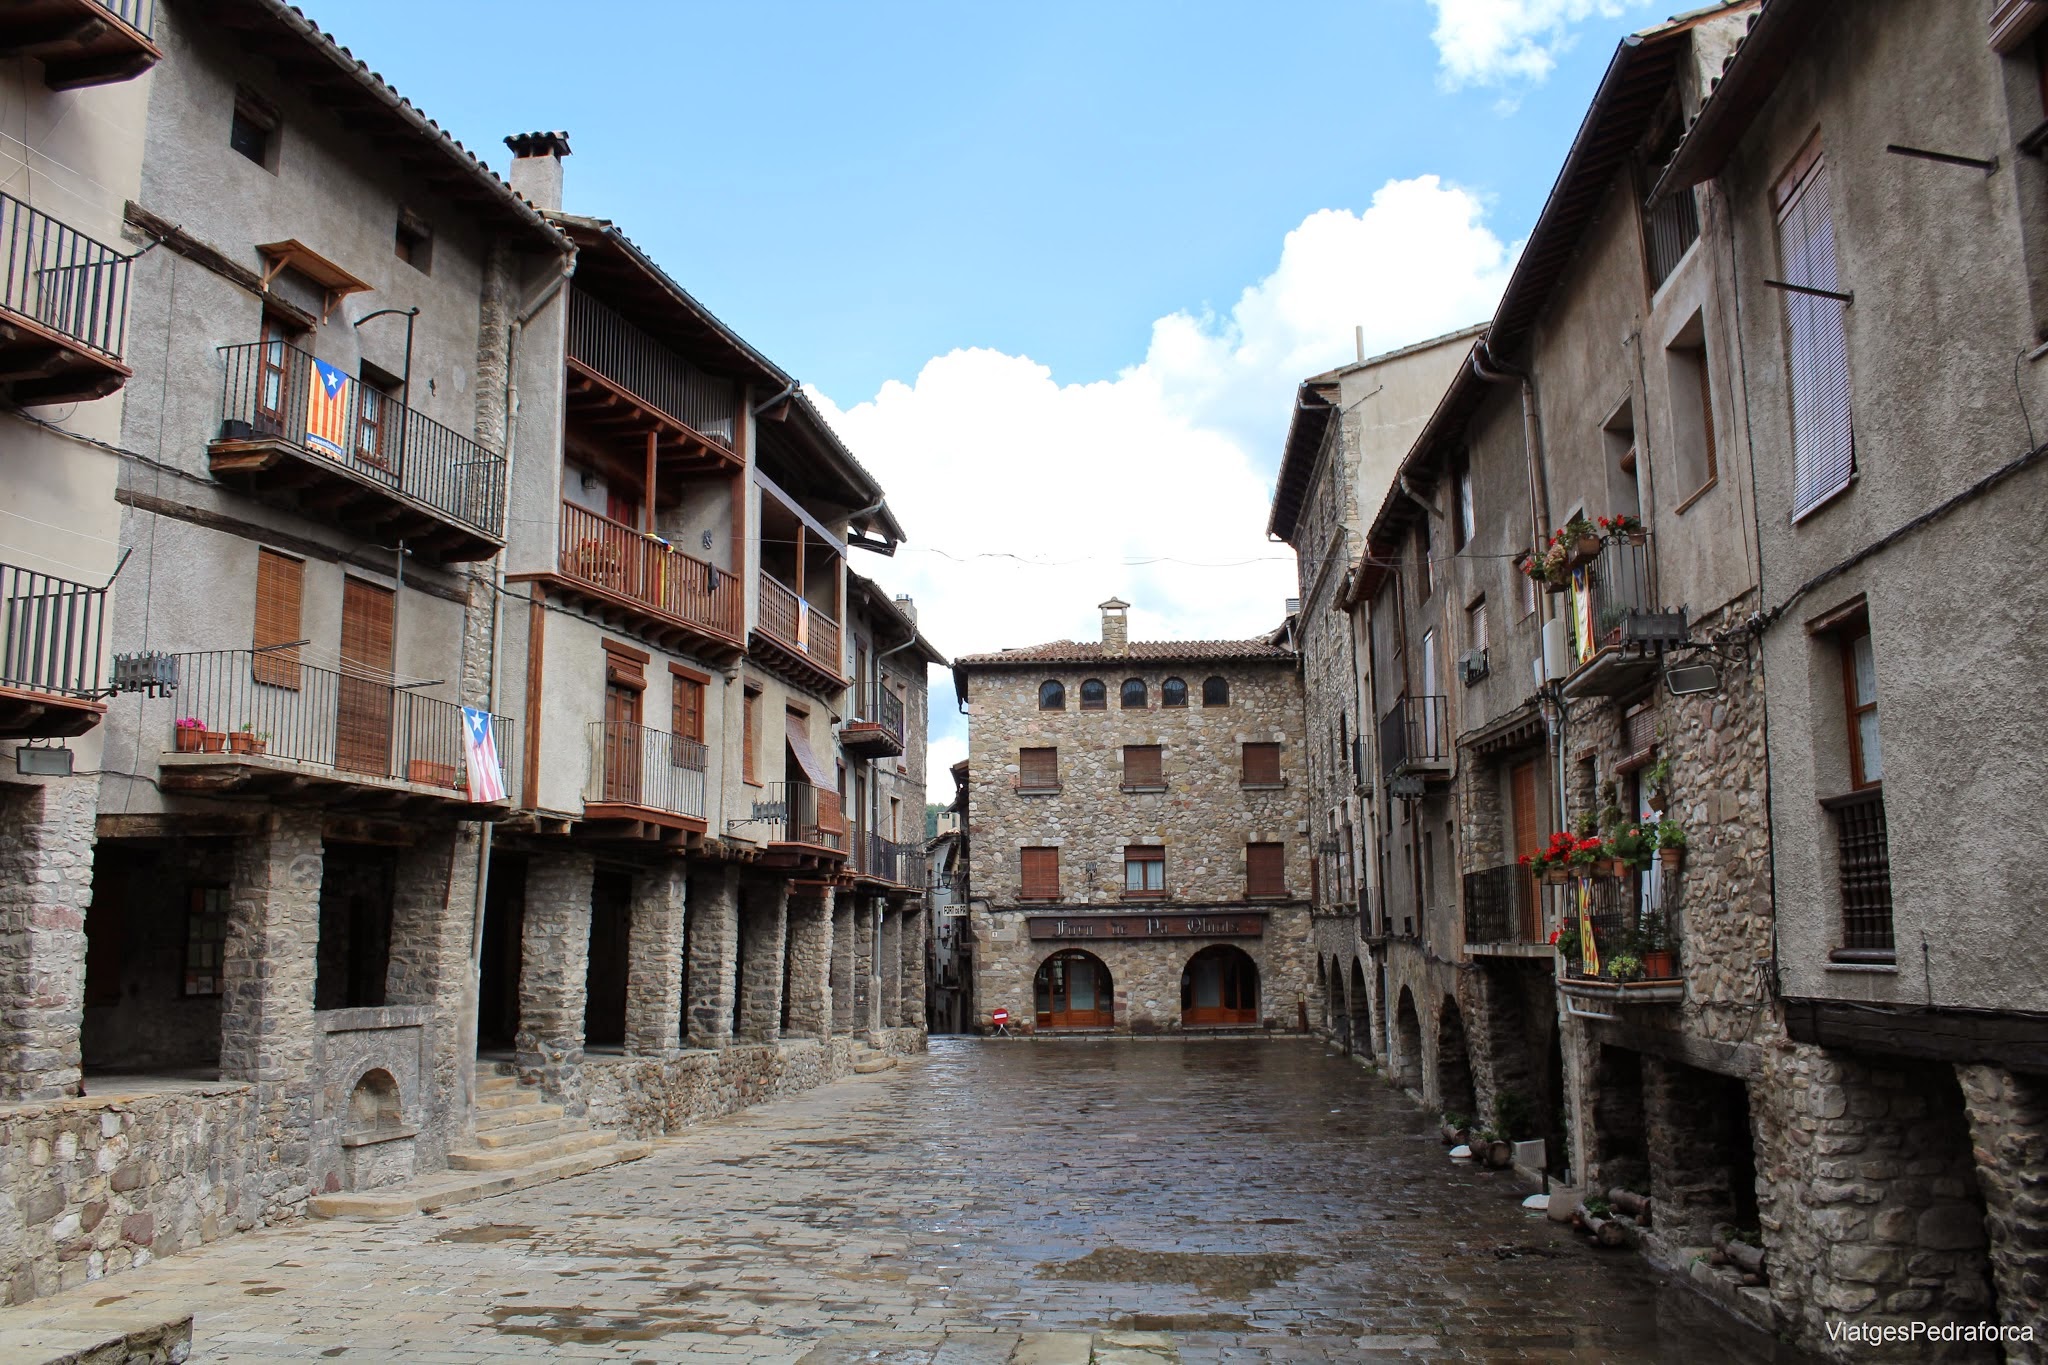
[1616, 600]
[1501, 906]
[631, 765]
[889, 861]
[51, 635]
[59, 278]
[1415, 733]
[270, 389]
[139, 15]
[266, 703]
[612, 555]
[878, 708]
[614, 348]
[799, 813]
[798, 624]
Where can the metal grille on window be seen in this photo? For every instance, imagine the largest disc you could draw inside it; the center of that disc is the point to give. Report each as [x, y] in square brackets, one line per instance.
[1864, 860]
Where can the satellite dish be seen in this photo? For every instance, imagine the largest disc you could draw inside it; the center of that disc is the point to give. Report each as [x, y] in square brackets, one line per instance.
[1689, 680]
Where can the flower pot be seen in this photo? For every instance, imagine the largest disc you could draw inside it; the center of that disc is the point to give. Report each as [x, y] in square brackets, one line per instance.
[245, 742]
[1639, 537]
[1555, 876]
[1552, 585]
[1671, 858]
[212, 742]
[1500, 1154]
[1587, 548]
[429, 774]
[1660, 964]
[189, 739]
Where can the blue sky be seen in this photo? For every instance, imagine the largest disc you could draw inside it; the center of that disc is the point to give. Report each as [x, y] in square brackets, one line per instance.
[1054, 268]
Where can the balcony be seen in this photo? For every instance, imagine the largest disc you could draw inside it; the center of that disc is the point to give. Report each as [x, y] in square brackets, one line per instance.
[1631, 916]
[1504, 914]
[679, 599]
[877, 859]
[81, 42]
[1415, 737]
[1618, 633]
[51, 662]
[611, 359]
[803, 823]
[304, 435]
[875, 729]
[261, 723]
[803, 639]
[63, 307]
[651, 780]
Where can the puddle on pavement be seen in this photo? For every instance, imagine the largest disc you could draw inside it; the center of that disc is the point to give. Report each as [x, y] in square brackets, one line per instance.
[1221, 1274]
[593, 1326]
[489, 1232]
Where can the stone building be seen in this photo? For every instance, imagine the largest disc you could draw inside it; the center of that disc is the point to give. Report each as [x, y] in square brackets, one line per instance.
[1137, 835]
[949, 954]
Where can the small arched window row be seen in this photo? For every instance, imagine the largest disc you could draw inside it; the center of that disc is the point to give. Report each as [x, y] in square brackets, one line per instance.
[1215, 692]
[1052, 695]
[1094, 695]
[1173, 692]
[1133, 695]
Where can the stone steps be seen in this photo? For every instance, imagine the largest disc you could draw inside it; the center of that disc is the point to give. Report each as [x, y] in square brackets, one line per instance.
[867, 1060]
[509, 1098]
[525, 1154]
[448, 1188]
[498, 1120]
[520, 1134]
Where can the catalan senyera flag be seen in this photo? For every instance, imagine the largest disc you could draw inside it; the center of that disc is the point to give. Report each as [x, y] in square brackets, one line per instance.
[327, 411]
[1589, 952]
[480, 753]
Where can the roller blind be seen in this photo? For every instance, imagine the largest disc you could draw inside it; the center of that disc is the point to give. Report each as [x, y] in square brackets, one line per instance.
[1038, 768]
[1262, 763]
[1823, 444]
[1265, 869]
[1041, 874]
[1142, 767]
[280, 591]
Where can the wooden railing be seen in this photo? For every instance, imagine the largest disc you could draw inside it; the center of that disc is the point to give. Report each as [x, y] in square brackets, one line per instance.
[799, 624]
[613, 347]
[612, 555]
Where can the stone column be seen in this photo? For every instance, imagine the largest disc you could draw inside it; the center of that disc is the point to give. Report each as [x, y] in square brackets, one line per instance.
[865, 1020]
[46, 840]
[889, 966]
[433, 910]
[912, 958]
[764, 927]
[2009, 1134]
[267, 1034]
[714, 947]
[842, 964]
[554, 972]
[810, 963]
[654, 961]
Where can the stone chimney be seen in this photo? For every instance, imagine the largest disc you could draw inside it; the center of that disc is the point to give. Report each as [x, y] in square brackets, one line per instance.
[1116, 627]
[908, 607]
[537, 168]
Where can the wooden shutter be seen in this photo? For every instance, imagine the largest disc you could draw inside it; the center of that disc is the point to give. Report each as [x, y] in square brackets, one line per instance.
[1265, 869]
[1038, 769]
[750, 738]
[280, 594]
[1823, 443]
[687, 705]
[1041, 874]
[1262, 764]
[1142, 767]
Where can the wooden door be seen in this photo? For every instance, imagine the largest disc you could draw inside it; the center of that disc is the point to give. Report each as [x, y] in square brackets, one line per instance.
[1219, 986]
[621, 744]
[1074, 991]
[362, 731]
[1522, 797]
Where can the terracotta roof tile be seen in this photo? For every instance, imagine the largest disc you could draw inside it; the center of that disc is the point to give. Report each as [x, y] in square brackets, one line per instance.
[1139, 651]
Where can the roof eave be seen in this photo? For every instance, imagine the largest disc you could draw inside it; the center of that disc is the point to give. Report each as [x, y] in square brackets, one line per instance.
[1774, 38]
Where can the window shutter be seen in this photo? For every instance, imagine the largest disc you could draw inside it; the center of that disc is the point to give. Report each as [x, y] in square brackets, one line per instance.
[1142, 767]
[1265, 869]
[1041, 874]
[1038, 768]
[688, 708]
[1823, 444]
[750, 722]
[280, 591]
[1262, 764]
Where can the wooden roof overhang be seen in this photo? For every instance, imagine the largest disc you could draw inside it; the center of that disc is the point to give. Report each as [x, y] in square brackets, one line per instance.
[283, 779]
[615, 419]
[1314, 409]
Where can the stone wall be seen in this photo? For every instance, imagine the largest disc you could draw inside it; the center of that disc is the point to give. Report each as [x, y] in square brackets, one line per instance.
[46, 867]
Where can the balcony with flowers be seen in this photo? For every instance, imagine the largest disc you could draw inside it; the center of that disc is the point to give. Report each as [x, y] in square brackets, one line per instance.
[1611, 899]
[1617, 631]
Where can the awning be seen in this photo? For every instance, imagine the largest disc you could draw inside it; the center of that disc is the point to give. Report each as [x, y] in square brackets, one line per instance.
[800, 745]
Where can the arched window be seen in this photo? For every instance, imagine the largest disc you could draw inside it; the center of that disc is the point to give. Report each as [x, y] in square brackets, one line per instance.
[1094, 696]
[1215, 692]
[1133, 696]
[1173, 692]
[1052, 695]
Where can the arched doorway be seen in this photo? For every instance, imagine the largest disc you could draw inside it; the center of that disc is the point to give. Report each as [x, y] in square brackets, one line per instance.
[1073, 990]
[1323, 990]
[1407, 1049]
[1219, 986]
[1453, 1063]
[1361, 1010]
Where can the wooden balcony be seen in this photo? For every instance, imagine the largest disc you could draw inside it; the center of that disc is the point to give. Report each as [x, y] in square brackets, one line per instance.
[875, 729]
[305, 436]
[645, 784]
[611, 358]
[63, 309]
[805, 825]
[796, 639]
[678, 600]
[52, 671]
[81, 42]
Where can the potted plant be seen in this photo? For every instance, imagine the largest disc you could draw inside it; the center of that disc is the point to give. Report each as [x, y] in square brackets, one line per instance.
[1625, 967]
[1565, 938]
[1455, 1131]
[192, 735]
[427, 773]
[1581, 539]
[1657, 784]
[1660, 963]
[1631, 849]
[1625, 525]
[1670, 844]
[248, 739]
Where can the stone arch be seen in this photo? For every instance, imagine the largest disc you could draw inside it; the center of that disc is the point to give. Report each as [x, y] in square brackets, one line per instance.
[1454, 1063]
[1405, 1052]
[1361, 1010]
[375, 1106]
[1323, 988]
[1073, 989]
[1219, 987]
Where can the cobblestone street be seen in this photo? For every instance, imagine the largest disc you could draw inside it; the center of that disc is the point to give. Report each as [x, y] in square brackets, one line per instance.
[1234, 1200]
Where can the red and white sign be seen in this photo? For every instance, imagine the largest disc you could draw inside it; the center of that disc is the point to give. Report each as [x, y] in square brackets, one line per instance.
[999, 1017]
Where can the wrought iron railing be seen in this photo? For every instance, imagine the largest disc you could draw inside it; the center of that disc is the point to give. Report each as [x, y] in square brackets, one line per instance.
[1615, 601]
[612, 555]
[51, 634]
[1631, 914]
[890, 861]
[139, 15]
[788, 617]
[631, 765]
[877, 707]
[266, 703]
[1672, 225]
[1864, 866]
[650, 371]
[1501, 906]
[1415, 732]
[799, 813]
[60, 278]
[270, 390]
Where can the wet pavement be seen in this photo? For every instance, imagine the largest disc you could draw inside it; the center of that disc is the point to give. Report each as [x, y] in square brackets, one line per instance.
[1214, 1201]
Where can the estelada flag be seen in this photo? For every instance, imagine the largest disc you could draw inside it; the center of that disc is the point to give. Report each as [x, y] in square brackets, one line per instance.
[480, 754]
[327, 411]
[1589, 952]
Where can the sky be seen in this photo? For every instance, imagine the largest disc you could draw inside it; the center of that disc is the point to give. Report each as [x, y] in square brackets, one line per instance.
[1053, 269]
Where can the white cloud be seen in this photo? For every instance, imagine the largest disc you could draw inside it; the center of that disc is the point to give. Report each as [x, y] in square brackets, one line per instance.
[1499, 42]
[1047, 498]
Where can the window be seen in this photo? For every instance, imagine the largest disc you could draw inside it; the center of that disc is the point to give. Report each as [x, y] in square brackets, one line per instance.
[1094, 695]
[1863, 863]
[1038, 770]
[1692, 408]
[1261, 765]
[377, 409]
[1823, 444]
[275, 363]
[686, 718]
[1475, 624]
[1052, 695]
[1265, 869]
[206, 933]
[280, 587]
[1132, 696]
[1215, 692]
[1461, 507]
[253, 130]
[1173, 692]
[750, 735]
[1859, 696]
[1041, 868]
[414, 242]
[1143, 770]
[1144, 870]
